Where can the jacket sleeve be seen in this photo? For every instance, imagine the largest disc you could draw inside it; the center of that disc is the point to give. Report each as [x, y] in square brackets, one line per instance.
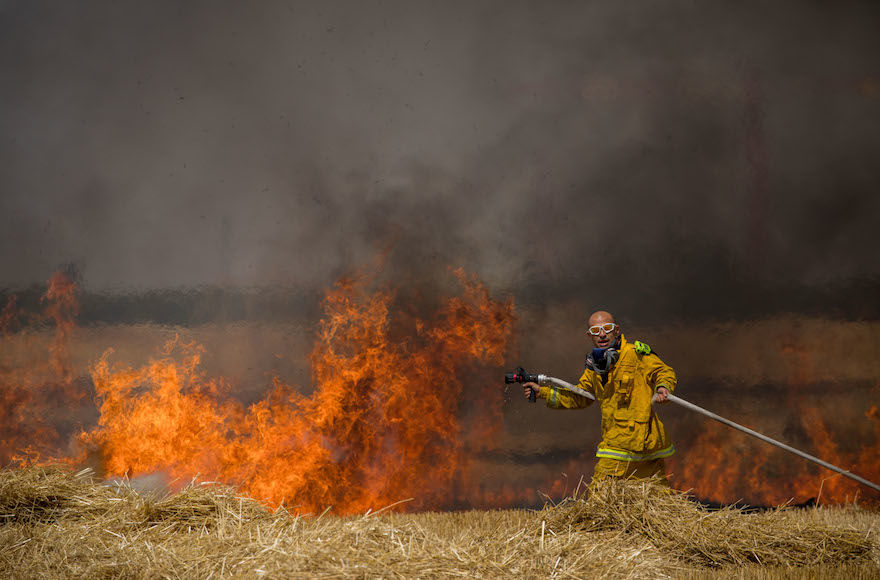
[658, 373]
[558, 398]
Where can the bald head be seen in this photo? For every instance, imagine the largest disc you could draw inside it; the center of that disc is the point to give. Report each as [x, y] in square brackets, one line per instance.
[600, 317]
[602, 329]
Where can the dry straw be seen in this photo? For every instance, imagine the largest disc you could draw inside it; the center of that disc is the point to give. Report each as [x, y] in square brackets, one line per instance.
[202, 507]
[57, 523]
[673, 523]
[45, 494]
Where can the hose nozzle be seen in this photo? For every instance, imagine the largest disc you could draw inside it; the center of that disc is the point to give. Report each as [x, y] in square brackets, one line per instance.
[521, 376]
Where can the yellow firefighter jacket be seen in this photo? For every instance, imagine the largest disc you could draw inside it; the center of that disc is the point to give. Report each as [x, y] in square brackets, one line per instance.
[631, 430]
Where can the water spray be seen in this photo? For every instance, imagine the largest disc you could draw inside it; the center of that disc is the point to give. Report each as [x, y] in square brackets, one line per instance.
[520, 376]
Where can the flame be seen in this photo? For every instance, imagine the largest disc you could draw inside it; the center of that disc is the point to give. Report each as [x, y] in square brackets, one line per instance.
[35, 387]
[400, 406]
[62, 307]
[723, 465]
[382, 424]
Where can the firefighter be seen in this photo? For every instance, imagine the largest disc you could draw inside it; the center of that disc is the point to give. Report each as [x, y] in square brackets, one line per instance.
[623, 377]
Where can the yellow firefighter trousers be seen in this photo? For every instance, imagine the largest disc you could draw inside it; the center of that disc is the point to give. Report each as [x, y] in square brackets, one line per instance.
[607, 467]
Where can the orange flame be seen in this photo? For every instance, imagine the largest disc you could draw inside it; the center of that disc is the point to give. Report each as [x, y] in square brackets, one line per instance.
[401, 407]
[63, 308]
[723, 465]
[382, 424]
[34, 390]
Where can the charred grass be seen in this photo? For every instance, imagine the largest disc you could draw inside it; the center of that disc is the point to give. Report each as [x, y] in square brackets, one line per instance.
[58, 523]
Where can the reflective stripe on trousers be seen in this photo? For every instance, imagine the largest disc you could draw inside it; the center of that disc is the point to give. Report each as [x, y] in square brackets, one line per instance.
[629, 456]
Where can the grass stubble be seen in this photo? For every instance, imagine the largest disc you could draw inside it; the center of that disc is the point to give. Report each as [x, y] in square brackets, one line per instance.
[58, 523]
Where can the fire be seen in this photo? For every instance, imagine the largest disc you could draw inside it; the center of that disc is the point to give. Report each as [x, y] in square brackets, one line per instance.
[62, 307]
[400, 406]
[36, 388]
[723, 465]
[382, 424]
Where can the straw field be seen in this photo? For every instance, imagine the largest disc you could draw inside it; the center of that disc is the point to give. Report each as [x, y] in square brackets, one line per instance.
[58, 523]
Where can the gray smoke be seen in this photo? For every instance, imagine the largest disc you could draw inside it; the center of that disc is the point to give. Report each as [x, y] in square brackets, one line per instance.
[688, 157]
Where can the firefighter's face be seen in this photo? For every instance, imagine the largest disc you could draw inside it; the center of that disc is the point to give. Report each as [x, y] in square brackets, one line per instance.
[602, 329]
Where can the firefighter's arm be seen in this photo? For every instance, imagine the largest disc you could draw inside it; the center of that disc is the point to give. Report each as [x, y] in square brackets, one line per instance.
[562, 399]
[658, 373]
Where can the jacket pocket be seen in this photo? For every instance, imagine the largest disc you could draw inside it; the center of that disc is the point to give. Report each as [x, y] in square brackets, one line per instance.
[626, 431]
[626, 378]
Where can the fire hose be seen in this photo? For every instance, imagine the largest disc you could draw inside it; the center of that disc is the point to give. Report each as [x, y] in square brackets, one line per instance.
[521, 376]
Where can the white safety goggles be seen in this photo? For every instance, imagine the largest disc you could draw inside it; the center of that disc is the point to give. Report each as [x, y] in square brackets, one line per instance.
[608, 327]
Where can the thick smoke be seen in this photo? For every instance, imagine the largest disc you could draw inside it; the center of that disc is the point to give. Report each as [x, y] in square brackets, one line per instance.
[694, 154]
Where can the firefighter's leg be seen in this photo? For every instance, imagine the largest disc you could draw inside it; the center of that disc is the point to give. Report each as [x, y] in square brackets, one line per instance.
[608, 468]
[614, 468]
[655, 469]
